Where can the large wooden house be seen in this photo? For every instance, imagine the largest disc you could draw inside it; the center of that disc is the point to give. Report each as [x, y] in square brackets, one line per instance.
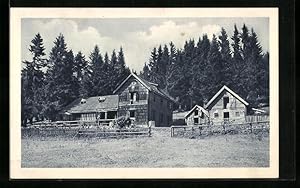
[143, 101]
[135, 97]
[226, 105]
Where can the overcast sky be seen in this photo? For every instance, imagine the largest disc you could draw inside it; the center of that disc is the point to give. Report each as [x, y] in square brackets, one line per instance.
[137, 36]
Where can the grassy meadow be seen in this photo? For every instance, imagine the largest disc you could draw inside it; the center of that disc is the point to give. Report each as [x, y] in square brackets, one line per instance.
[160, 150]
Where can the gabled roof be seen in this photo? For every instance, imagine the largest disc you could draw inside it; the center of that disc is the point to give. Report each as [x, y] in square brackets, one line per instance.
[200, 108]
[92, 104]
[149, 85]
[230, 91]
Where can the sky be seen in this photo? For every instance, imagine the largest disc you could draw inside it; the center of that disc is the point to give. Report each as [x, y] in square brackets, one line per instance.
[137, 36]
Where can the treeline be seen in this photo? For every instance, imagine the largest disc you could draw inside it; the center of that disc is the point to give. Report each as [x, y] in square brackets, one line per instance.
[49, 84]
[193, 74]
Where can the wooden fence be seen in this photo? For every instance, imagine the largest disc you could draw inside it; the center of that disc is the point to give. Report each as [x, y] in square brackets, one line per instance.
[247, 127]
[257, 118]
[114, 133]
[83, 128]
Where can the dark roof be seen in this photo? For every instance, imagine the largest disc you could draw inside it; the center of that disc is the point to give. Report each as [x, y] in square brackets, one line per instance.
[92, 104]
[149, 85]
[155, 89]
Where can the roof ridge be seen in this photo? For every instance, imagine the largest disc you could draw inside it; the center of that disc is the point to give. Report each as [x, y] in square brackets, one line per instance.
[230, 91]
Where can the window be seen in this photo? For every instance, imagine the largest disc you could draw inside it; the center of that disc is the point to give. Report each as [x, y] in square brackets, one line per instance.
[226, 114]
[237, 114]
[202, 115]
[196, 120]
[196, 112]
[111, 114]
[216, 115]
[83, 101]
[161, 100]
[225, 102]
[133, 97]
[142, 96]
[132, 113]
[102, 115]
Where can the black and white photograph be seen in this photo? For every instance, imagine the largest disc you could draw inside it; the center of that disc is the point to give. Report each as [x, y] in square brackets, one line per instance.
[149, 89]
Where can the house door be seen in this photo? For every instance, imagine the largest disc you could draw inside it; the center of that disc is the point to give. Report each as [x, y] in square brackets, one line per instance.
[226, 116]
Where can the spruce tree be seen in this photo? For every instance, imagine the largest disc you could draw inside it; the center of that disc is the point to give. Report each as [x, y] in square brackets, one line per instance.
[172, 70]
[98, 81]
[32, 82]
[226, 58]
[237, 62]
[145, 73]
[215, 67]
[60, 78]
[121, 71]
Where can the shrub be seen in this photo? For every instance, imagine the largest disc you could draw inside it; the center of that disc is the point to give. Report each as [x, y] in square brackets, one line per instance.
[123, 122]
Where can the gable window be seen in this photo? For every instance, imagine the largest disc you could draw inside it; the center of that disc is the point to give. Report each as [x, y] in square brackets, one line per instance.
[133, 97]
[237, 114]
[202, 115]
[216, 115]
[225, 102]
[196, 120]
[196, 112]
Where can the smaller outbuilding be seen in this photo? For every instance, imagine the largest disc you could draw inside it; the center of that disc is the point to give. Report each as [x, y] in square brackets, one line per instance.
[227, 106]
[197, 116]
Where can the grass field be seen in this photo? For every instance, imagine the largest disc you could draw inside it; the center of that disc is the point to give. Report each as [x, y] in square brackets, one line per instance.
[160, 150]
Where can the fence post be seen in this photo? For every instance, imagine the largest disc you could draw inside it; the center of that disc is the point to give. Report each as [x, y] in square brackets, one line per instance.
[149, 130]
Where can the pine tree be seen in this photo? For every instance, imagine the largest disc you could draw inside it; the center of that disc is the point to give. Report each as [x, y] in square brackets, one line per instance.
[98, 75]
[215, 67]
[106, 58]
[226, 58]
[163, 63]
[120, 69]
[60, 78]
[237, 62]
[254, 69]
[199, 85]
[32, 82]
[153, 66]
[81, 70]
[145, 73]
[113, 59]
[172, 70]
[245, 42]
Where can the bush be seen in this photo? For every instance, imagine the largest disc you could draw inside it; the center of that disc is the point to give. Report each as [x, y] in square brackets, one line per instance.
[123, 122]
